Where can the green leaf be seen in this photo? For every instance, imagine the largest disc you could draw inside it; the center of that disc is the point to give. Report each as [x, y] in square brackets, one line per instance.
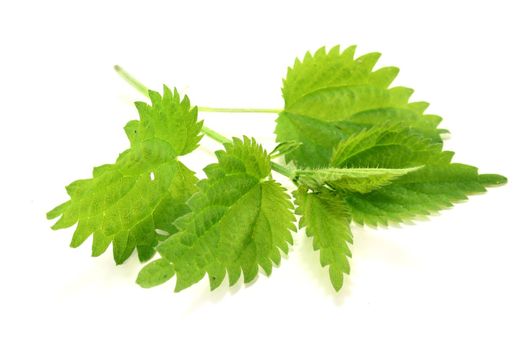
[362, 180]
[360, 150]
[326, 218]
[387, 146]
[240, 220]
[144, 190]
[346, 115]
[169, 119]
[423, 192]
[329, 96]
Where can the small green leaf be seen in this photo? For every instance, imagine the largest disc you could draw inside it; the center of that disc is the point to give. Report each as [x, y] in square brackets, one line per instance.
[326, 218]
[387, 146]
[361, 180]
[170, 119]
[284, 148]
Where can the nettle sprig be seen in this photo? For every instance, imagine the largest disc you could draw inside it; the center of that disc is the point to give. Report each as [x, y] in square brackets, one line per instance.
[358, 150]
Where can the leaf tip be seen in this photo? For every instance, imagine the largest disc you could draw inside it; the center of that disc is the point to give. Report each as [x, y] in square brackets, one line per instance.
[155, 273]
[56, 211]
[336, 278]
[491, 180]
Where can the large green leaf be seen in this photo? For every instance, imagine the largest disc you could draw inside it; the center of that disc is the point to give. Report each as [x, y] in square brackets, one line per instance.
[240, 220]
[329, 96]
[145, 190]
[420, 193]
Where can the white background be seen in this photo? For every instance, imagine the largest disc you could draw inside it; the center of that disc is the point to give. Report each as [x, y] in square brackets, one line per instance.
[455, 281]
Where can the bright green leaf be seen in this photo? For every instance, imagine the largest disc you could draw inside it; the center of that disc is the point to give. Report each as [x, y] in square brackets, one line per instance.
[420, 193]
[387, 146]
[326, 218]
[169, 119]
[329, 96]
[240, 220]
[361, 180]
[144, 190]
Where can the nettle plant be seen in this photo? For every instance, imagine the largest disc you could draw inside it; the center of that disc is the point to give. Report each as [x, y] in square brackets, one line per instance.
[356, 148]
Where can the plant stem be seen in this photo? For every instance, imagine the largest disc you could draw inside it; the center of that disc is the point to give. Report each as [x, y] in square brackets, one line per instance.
[281, 169]
[215, 135]
[239, 110]
[144, 90]
[131, 81]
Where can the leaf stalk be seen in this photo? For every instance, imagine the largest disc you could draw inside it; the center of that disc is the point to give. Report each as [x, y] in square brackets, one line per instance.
[239, 110]
[281, 169]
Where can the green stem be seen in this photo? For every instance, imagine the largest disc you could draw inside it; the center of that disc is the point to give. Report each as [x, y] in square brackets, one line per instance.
[144, 90]
[281, 169]
[239, 110]
[215, 135]
[131, 81]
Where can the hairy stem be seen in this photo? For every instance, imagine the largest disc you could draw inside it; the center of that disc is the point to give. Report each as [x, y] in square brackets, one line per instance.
[281, 169]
